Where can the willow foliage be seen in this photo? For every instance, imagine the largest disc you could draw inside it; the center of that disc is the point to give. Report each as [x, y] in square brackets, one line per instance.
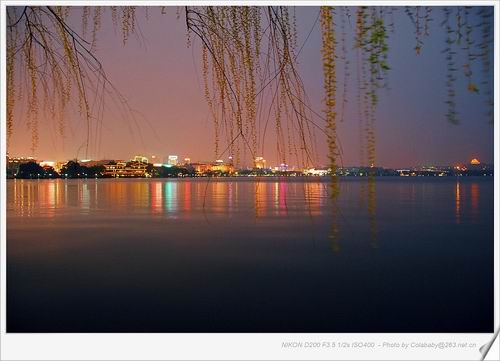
[244, 66]
[250, 69]
[51, 66]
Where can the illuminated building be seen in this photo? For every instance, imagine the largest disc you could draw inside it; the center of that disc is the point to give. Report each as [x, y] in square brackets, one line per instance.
[94, 163]
[59, 165]
[475, 161]
[220, 166]
[283, 167]
[172, 159]
[14, 163]
[259, 163]
[47, 163]
[140, 159]
[316, 172]
[187, 160]
[126, 170]
[201, 168]
[113, 170]
[403, 172]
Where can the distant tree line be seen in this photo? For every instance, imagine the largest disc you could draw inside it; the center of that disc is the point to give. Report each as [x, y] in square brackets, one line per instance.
[72, 169]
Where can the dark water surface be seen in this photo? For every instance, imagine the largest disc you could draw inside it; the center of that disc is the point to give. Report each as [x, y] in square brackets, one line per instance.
[250, 255]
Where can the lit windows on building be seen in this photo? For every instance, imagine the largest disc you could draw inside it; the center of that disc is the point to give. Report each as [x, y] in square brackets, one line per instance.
[173, 159]
[140, 159]
[259, 163]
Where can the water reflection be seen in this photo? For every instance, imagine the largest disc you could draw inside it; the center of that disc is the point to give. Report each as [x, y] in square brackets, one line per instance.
[474, 201]
[315, 195]
[170, 198]
[268, 200]
[86, 237]
[84, 196]
[156, 198]
[467, 201]
[334, 230]
[372, 209]
[187, 196]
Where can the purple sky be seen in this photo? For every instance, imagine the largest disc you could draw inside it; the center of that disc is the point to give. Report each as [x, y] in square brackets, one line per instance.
[161, 78]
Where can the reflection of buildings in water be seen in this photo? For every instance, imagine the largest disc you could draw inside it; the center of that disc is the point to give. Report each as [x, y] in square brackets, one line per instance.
[219, 196]
[474, 201]
[314, 193]
[230, 196]
[260, 199]
[83, 190]
[276, 197]
[334, 229]
[96, 198]
[457, 202]
[187, 196]
[156, 198]
[115, 193]
[372, 211]
[283, 209]
[49, 201]
[170, 196]
[201, 190]
[142, 194]
[42, 197]
[25, 197]
[72, 192]
[279, 198]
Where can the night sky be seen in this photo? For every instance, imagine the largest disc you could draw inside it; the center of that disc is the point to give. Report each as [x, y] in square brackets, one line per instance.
[161, 79]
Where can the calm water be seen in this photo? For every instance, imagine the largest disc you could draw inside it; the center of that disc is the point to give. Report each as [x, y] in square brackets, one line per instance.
[250, 255]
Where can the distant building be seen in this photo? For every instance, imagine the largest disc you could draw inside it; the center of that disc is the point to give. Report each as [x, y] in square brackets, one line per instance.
[14, 163]
[187, 161]
[201, 168]
[140, 159]
[126, 170]
[94, 163]
[259, 163]
[475, 161]
[283, 167]
[316, 172]
[220, 166]
[172, 159]
[47, 163]
[59, 165]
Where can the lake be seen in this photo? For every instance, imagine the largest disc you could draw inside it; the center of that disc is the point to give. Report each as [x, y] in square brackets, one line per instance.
[250, 255]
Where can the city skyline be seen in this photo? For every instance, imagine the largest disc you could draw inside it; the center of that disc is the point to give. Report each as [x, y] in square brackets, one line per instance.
[160, 77]
[181, 159]
[250, 170]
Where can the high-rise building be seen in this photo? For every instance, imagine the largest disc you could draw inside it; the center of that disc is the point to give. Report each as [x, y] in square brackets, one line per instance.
[140, 159]
[172, 159]
[260, 163]
[283, 167]
[220, 166]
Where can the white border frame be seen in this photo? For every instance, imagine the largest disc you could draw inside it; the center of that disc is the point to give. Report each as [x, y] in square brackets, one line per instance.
[143, 346]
